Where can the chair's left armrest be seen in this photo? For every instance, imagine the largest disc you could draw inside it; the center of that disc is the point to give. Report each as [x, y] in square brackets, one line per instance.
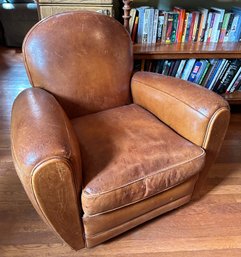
[197, 114]
[47, 159]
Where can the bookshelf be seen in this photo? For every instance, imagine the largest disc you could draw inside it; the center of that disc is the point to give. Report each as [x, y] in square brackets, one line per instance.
[199, 50]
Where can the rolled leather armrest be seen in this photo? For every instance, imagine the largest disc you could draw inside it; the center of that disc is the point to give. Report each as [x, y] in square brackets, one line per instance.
[47, 159]
[197, 114]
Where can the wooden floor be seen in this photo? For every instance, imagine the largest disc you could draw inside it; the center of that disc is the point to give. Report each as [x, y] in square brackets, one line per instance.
[209, 227]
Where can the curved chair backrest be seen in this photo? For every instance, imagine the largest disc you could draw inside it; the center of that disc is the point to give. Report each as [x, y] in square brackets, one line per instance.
[83, 58]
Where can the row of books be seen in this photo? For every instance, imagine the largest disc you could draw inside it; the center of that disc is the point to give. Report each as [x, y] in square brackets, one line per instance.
[219, 75]
[149, 25]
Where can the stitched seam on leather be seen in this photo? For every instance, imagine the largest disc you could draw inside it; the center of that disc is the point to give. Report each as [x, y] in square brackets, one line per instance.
[143, 178]
[214, 116]
[147, 85]
[97, 234]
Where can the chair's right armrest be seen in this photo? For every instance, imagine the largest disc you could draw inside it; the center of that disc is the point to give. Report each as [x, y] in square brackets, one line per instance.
[47, 159]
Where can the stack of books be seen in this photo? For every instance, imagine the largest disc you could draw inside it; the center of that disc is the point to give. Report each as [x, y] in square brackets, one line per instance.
[219, 75]
[149, 25]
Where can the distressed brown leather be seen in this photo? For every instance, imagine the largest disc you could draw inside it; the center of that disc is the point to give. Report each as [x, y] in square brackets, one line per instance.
[83, 58]
[134, 165]
[100, 223]
[192, 106]
[196, 113]
[128, 155]
[43, 141]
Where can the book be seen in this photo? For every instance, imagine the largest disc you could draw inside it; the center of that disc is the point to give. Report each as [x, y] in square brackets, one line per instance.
[230, 73]
[233, 29]
[236, 85]
[217, 23]
[175, 68]
[237, 11]
[150, 25]
[192, 27]
[200, 71]
[233, 80]
[203, 24]
[188, 69]
[174, 28]
[134, 31]
[141, 11]
[160, 26]
[195, 27]
[180, 26]
[132, 19]
[224, 26]
[155, 24]
[185, 27]
[230, 22]
[194, 72]
[207, 27]
[164, 30]
[180, 68]
[217, 72]
[213, 73]
[189, 21]
[222, 73]
[207, 66]
[169, 27]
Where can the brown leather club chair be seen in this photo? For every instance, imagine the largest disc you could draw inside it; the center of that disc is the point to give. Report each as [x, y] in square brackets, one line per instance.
[98, 149]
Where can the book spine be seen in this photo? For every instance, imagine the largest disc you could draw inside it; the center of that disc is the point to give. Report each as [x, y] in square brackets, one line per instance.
[207, 27]
[150, 26]
[211, 27]
[180, 68]
[145, 26]
[185, 27]
[140, 25]
[160, 27]
[155, 23]
[231, 36]
[224, 26]
[174, 28]
[192, 26]
[194, 72]
[233, 80]
[236, 84]
[204, 73]
[195, 27]
[134, 31]
[132, 19]
[230, 22]
[189, 21]
[169, 28]
[188, 68]
[163, 40]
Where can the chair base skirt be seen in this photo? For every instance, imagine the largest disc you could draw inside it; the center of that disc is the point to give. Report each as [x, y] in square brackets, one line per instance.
[101, 227]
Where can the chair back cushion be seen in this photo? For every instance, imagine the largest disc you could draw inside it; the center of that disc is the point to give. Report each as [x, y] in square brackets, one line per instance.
[83, 58]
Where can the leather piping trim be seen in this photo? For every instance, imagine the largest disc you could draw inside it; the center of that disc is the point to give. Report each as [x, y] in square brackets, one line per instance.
[143, 178]
[147, 85]
[145, 198]
[102, 232]
[210, 125]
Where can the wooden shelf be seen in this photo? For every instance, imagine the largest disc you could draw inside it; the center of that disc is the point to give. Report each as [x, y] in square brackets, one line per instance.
[234, 98]
[187, 50]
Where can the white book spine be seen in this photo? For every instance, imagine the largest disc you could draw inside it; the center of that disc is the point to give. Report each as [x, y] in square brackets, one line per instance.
[180, 69]
[150, 26]
[145, 26]
[188, 69]
[207, 28]
[155, 23]
[214, 33]
[234, 79]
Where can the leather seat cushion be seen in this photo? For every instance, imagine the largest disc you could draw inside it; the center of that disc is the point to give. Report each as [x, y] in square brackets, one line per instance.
[129, 155]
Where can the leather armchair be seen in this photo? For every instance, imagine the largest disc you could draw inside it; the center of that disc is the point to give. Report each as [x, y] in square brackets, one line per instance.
[98, 149]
